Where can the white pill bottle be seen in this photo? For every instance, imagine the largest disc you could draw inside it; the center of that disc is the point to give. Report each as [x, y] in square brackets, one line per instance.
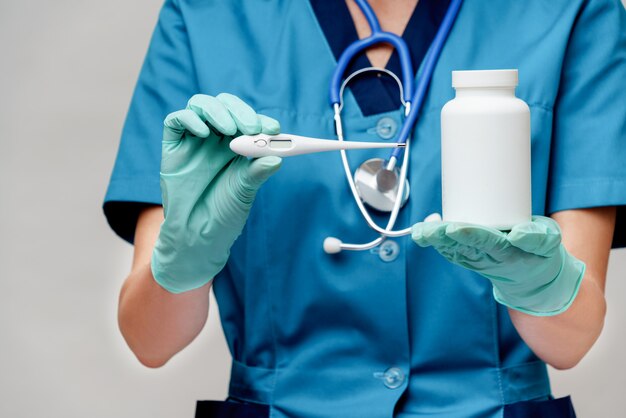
[485, 151]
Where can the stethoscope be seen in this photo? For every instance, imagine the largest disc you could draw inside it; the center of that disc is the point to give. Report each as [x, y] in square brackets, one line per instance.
[377, 182]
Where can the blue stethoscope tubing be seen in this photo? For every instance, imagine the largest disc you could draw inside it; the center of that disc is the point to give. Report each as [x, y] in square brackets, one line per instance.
[413, 100]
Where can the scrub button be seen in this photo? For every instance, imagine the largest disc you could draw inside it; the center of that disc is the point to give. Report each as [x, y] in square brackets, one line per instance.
[386, 128]
[393, 377]
[389, 251]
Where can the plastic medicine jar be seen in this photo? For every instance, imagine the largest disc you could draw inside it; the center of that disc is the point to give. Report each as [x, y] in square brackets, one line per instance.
[485, 151]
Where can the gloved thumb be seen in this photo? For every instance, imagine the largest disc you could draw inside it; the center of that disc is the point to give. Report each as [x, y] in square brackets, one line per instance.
[257, 171]
[541, 236]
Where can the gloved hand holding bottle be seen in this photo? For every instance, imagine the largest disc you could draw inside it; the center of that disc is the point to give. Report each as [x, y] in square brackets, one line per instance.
[207, 189]
[530, 269]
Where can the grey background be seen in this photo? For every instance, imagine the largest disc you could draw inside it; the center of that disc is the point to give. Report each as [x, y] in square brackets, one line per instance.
[67, 72]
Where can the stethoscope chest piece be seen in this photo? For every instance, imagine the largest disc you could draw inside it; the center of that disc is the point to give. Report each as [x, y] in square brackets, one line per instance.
[377, 186]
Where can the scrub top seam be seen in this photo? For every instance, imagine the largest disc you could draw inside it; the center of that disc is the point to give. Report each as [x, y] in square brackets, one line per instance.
[272, 299]
[496, 349]
[190, 49]
[545, 107]
[586, 182]
[407, 242]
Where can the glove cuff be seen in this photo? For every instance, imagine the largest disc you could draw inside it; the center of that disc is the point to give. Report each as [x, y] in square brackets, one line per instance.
[172, 281]
[552, 298]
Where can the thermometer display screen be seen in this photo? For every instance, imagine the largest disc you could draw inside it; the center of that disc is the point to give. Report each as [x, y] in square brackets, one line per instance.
[280, 143]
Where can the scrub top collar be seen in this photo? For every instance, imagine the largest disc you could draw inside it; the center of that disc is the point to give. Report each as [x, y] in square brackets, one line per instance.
[378, 94]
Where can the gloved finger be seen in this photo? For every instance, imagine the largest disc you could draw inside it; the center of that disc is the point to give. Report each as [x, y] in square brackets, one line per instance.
[246, 119]
[541, 236]
[175, 125]
[269, 125]
[426, 234]
[477, 236]
[213, 112]
[469, 257]
[255, 172]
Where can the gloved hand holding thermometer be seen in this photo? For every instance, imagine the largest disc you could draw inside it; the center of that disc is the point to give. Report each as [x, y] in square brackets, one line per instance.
[530, 269]
[207, 189]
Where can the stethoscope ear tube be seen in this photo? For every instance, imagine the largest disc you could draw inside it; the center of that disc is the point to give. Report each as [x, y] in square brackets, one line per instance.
[377, 36]
[430, 62]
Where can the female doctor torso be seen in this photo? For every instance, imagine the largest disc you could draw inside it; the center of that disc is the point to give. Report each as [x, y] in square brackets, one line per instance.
[397, 331]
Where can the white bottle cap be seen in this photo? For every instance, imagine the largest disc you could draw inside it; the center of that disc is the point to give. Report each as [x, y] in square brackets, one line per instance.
[484, 78]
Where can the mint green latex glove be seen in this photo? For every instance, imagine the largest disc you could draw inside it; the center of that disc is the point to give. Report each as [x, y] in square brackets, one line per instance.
[529, 268]
[207, 189]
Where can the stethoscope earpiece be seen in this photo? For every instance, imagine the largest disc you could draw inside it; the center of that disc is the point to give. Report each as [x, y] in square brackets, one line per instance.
[332, 245]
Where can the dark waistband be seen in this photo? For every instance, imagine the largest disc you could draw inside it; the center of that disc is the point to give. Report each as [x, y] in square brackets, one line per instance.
[551, 408]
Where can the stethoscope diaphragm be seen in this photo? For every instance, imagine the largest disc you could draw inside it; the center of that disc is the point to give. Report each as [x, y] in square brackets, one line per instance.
[377, 186]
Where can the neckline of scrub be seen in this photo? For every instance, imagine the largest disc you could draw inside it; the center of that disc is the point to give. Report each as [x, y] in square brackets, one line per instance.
[372, 93]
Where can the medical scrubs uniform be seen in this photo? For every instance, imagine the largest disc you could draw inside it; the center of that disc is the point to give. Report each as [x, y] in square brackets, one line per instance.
[395, 331]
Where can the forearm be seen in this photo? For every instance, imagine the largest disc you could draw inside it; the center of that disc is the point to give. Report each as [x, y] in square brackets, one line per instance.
[535, 268]
[155, 323]
[563, 340]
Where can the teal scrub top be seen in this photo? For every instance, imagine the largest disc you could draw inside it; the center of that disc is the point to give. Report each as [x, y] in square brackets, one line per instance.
[396, 331]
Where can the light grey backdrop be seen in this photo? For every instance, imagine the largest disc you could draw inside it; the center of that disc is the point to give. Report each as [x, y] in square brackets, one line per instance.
[67, 70]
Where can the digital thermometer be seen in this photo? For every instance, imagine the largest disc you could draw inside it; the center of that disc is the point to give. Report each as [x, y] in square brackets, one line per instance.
[286, 145]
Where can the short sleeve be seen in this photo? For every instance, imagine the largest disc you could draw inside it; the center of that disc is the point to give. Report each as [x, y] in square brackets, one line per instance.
[166, 82]
[588, 159]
